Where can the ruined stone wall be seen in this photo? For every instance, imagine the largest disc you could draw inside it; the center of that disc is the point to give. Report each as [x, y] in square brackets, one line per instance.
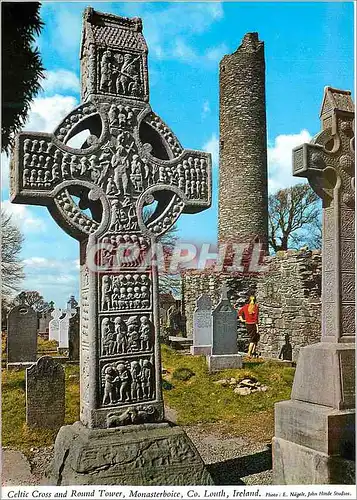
[243, 192]
[288, 293]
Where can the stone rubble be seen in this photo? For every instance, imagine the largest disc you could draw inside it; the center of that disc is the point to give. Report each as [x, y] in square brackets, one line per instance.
[242, 387]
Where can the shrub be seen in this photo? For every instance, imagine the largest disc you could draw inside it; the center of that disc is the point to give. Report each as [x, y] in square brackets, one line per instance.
[182, 374]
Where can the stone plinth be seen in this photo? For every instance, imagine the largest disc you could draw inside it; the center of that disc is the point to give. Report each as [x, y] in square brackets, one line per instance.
[201, 350]
[296, 464]
[220, 362]
[147, 454]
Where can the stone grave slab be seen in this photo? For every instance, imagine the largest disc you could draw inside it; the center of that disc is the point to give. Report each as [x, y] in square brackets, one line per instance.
[129, 160]
[314, 439]
[224, 336]
[53, 326]
[21, 334]
[73, 337]
[45, 394]
[63, 341]
[202, 326]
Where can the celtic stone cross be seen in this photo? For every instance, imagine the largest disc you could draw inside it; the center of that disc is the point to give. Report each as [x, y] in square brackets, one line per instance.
[328, 164]
[129, 159]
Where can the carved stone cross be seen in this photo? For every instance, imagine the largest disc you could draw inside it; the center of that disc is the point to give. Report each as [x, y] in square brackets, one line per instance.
[328, 164]
[129, 160]
[323, 392]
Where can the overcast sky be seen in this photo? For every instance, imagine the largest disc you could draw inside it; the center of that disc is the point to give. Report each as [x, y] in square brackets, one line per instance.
[307, 46]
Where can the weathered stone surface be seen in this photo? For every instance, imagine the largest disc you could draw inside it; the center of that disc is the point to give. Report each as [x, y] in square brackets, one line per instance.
[21, 334]
[63, 340]
[224, 327]
[217, 362]
[274, 291]
[54, 324]
[130, 160]
[45, 394]
[148, 454]
[73, 337]
[317, 427]
[297, 464]
[201, 350]
[243, 145]
[325, 373]
[44, 320]
[202, 326]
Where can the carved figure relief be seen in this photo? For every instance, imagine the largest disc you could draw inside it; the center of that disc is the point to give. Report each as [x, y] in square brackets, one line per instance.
[125, 291]
[129, 335]
[127, 382]
[127, 151]
[120, 73]
[123, 250]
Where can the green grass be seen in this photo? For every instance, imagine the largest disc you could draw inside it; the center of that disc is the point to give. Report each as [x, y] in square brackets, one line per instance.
[199, 400]
[46, 345]
[15, 432]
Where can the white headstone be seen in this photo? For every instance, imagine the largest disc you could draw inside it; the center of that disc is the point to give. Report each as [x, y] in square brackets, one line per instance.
[202, 326]
[63, 342]
[53, 326]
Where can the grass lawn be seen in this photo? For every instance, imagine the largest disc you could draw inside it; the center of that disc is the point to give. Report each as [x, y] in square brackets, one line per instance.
[15, 432]
[196, 400]
[200, 400]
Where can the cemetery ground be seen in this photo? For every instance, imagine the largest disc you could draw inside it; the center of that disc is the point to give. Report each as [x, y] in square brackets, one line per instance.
[232, 432]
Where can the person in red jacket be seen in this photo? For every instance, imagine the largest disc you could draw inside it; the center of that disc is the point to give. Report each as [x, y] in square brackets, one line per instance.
[249, 314]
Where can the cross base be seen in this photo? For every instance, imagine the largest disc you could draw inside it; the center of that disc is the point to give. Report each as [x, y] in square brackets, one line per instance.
[138, 455]
[297, 464]
[314, 439]
[325, 375]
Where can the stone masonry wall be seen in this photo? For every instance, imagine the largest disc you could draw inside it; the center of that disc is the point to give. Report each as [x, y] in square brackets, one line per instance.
[288, 293]
[243, 192]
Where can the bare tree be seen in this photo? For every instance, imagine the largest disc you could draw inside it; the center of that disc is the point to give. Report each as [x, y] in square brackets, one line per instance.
[33, 299]
[293, 211]
[168, 281]
[11, 265]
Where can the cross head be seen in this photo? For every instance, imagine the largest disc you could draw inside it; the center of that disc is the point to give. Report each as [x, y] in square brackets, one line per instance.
[98, 190]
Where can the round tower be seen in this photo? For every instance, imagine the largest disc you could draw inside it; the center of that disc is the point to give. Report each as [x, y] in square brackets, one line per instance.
[243, 191]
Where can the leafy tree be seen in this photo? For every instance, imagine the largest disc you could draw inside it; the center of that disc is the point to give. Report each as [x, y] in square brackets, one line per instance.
[11, 266]
[293, 211]
[21, 63]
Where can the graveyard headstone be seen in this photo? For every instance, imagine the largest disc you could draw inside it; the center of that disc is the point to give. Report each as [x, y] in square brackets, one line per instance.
[64, 327]
[21, 334]
[224, 336]
[53, 326]
[317, 425]
[45, 394]
[129, 160]
[202, 326]
[73, 337]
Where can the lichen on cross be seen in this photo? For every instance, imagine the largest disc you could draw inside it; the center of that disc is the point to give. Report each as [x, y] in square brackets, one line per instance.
[328, 164]
[128, 160]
